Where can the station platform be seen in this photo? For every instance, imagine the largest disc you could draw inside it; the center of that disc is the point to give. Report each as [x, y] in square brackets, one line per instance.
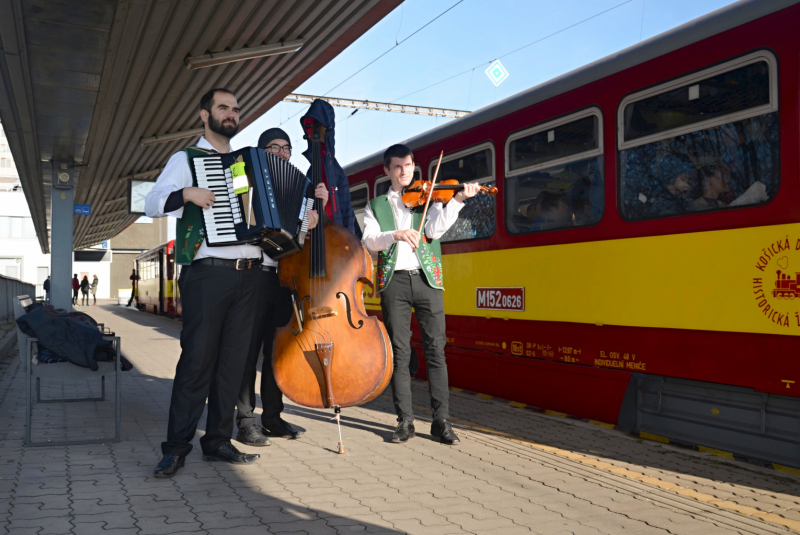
[515, 471]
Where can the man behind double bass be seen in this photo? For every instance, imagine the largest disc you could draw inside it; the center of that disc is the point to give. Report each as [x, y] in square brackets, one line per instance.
[272, 310]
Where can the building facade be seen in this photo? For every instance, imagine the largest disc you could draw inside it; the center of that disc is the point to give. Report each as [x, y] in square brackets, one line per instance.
[21, 256]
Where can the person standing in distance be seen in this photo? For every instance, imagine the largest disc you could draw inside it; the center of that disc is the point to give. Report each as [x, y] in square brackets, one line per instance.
[76, 285]
[410, 275]
[134, 277]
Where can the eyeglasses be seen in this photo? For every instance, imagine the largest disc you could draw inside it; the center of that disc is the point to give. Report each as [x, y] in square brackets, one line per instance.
[275, 149]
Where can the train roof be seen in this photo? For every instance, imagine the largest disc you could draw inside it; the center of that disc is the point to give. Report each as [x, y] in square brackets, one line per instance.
[158, 247]
[693, 31]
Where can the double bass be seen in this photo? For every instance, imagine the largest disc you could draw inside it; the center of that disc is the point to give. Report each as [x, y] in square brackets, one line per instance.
[331, 354]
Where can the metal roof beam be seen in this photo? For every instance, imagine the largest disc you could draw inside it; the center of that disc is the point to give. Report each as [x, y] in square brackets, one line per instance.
[378, 106]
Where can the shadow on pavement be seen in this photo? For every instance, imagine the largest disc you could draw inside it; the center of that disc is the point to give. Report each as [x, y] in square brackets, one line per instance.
[549, 431]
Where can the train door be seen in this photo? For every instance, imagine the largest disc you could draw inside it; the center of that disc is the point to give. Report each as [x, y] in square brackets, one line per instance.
[159, 266]
[169, 282]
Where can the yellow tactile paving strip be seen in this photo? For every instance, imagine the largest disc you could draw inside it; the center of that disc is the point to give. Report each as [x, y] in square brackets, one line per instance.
[708, 499]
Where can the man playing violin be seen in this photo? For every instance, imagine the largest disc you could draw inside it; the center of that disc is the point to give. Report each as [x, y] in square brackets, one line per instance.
[272, 310]
[410, 276]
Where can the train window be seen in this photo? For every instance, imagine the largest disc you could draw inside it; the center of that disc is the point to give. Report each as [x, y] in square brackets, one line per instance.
[359, 197]
[477, 218]
[553, 143]
[382, 183]
[705, 142]
[554, 174]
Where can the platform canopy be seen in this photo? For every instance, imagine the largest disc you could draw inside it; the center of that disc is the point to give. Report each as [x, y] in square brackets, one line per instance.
[83, 82]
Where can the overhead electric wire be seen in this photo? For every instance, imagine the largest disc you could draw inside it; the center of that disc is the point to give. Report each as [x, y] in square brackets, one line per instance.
[515, 50]
[395, 46]
[389, 50]
[471, 69]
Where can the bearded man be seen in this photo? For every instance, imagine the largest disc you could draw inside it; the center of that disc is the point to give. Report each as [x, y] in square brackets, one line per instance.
[219, 289]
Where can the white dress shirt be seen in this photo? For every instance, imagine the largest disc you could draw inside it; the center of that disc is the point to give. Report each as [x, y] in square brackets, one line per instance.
[440, 218]
[177, 175]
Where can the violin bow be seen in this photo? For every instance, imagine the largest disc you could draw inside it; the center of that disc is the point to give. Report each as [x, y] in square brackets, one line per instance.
[430, 194]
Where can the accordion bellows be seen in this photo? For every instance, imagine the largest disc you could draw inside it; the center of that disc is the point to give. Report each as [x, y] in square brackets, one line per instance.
[273, 214]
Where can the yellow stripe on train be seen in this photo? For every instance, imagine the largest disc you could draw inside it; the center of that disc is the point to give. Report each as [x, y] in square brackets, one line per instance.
[741, 280]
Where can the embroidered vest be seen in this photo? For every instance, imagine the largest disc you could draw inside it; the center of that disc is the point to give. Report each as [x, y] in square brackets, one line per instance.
[428, 254]
[189, 229]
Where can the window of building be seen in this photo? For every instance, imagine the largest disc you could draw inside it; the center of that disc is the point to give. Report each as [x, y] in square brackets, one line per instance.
[28, 230]
[359, 197]
[705, 142]
[477, 218]
[16, 228]
[554, 174]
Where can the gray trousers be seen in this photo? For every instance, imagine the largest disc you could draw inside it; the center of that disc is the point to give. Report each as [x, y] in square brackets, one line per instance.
[409, 289]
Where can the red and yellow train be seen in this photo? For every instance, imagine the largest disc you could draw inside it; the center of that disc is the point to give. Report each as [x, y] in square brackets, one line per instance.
[634, 268]
[624, 272]
[157, 289]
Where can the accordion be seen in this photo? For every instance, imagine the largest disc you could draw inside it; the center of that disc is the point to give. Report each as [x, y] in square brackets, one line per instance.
[273, 213]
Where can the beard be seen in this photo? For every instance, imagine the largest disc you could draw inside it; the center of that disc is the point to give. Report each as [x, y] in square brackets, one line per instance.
[227, 130]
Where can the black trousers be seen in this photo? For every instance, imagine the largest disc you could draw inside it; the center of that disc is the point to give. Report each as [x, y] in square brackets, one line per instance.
[407, 290]
[74, 296]
[218, 320]
[273, 305]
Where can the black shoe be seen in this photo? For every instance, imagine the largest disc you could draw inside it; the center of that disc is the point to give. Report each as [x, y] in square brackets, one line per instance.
[281, 429]
[169, 465]
[227, 453]
[404, 431]
[252, 436]
[443, 430]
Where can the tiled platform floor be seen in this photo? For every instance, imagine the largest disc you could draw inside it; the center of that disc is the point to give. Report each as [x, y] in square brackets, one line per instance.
[515, 471]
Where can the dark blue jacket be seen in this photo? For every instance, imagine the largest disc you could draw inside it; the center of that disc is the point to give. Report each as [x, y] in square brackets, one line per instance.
[65, 335]
[342, 208]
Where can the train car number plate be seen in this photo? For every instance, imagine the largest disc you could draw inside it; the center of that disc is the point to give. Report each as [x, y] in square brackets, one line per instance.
[500, 299]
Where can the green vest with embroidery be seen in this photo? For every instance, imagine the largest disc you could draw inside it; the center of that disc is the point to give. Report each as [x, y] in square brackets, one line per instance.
[190, 228]
[428, 254]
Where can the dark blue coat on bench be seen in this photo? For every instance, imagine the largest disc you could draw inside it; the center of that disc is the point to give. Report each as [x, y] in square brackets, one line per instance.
[78, 342]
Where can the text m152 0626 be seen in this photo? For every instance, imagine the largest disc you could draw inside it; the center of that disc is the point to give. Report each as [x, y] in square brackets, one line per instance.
[500, 299]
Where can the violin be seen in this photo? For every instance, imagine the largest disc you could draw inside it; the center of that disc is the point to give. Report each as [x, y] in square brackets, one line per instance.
[417, 193]
[331, 354]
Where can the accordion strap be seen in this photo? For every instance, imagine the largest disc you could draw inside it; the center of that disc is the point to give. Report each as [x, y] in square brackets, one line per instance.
[190, 229]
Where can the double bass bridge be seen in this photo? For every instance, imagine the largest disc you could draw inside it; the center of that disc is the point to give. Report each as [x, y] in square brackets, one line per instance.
[318, 313]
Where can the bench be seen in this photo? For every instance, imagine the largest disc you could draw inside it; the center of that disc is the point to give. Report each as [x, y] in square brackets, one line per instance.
[64, 371]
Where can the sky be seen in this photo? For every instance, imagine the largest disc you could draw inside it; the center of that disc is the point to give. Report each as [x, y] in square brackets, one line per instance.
[460, 44]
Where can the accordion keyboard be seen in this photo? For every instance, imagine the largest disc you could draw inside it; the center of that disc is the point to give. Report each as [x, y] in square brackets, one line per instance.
[221, 219]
